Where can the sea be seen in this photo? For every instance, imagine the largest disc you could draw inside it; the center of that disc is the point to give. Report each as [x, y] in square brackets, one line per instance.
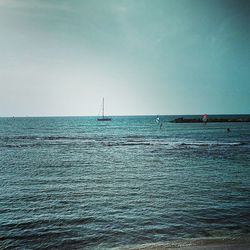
[78, 183]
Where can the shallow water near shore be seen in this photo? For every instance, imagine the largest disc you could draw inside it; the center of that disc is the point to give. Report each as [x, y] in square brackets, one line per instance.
[73, 182]
[195, 244]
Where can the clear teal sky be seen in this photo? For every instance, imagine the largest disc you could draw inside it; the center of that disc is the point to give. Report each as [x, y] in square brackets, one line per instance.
[60, 57]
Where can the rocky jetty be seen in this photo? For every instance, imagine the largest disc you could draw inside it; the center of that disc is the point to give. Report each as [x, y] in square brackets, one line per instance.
[199, 120]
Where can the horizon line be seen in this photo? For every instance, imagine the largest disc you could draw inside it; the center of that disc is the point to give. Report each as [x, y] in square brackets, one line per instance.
[34, 116]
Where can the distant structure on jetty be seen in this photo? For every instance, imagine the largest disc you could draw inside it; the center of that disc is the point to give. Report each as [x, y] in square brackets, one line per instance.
[200, 120]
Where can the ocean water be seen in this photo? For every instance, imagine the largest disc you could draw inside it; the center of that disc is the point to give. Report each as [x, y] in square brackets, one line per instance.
[75, 183]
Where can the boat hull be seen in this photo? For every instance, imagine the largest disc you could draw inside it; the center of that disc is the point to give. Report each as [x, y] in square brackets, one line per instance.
[104, 119]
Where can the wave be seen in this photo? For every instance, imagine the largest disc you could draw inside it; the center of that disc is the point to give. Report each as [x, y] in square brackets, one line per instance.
[212, 143]
[19, 145]
[50, 138]
[45, 138]
[55, 222]
[129, 141]
[172, 144]
[117, 144]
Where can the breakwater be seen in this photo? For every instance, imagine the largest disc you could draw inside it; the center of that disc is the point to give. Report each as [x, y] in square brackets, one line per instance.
[199, 120]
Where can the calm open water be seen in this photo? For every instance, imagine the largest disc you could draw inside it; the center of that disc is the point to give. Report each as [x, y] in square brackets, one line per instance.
[73, 182]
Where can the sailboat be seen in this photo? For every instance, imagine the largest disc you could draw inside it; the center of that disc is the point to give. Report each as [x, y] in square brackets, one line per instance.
[103, 118]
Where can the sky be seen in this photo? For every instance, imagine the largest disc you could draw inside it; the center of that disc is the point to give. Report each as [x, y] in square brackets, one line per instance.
[60, 57]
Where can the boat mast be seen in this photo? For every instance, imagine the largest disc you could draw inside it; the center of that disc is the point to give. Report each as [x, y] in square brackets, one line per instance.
[103, 107]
